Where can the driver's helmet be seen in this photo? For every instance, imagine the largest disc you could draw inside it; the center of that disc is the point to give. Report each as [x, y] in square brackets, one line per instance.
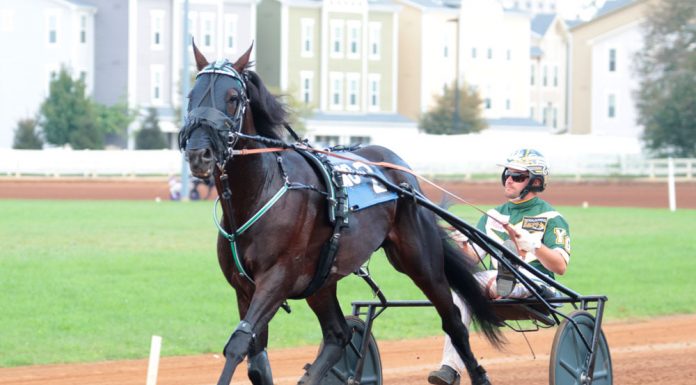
[532, 161]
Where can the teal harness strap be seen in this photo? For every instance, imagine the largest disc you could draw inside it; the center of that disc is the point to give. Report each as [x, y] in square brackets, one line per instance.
[233, 237]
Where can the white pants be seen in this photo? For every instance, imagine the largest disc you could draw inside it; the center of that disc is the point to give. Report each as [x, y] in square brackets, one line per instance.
[486, 279]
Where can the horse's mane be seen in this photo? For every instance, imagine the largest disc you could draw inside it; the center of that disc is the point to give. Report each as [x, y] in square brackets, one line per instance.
[269, 113]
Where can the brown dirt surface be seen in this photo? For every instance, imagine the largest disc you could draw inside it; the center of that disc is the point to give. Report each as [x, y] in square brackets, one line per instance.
[646, 352]
[561, 193]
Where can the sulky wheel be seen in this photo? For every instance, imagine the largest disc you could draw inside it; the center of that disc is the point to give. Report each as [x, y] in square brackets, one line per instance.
[569, 353]
[343, 372]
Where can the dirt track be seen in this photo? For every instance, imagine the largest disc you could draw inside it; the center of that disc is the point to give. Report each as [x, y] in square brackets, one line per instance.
[652, 352]
[655, 352]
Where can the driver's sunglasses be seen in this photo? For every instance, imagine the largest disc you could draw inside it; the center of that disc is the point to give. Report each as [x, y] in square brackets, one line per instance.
[516, 176]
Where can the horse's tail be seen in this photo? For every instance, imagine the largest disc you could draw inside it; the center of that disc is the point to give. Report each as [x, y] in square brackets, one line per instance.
[461, 279]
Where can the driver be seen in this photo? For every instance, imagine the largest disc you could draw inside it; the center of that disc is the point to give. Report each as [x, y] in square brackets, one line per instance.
[542, 236]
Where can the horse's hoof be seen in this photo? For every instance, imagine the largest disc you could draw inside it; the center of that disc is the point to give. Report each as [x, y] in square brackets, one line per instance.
[481, 377]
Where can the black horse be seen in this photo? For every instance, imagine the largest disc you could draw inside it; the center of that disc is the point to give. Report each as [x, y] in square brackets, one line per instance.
[230, 111]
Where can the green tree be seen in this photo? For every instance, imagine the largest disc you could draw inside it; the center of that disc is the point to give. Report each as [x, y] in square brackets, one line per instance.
[150, 136]
[667, 69]
[68, 114]
[113, 121]
[26, 136]
[442, 120]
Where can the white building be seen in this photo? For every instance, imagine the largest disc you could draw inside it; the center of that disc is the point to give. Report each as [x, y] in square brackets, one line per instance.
[38, 37]
[494, 47]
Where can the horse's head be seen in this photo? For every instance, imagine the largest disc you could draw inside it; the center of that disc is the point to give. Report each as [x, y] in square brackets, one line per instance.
[216, 111]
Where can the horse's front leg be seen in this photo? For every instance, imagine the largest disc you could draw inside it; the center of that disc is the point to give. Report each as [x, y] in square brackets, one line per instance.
[258, 366]
[250, 335]
[335, 330]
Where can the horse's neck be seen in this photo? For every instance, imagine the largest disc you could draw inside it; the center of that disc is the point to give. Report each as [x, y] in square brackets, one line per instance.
[253, 179]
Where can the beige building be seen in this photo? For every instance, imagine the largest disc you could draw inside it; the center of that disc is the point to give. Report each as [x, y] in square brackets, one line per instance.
[603, 79]
[427, 54]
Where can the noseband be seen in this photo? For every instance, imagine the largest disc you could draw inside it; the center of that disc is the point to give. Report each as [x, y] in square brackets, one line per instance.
[221, 128]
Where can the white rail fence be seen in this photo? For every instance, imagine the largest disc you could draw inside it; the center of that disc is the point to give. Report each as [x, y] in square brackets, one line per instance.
[124, 163]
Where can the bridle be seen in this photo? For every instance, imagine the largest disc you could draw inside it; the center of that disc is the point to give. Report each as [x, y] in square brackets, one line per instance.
[223, 129]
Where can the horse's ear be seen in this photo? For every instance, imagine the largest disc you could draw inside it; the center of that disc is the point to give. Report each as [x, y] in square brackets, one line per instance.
[242, 62]
[201, 61]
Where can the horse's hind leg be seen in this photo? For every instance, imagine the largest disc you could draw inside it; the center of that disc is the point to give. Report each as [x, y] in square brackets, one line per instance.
[423, 263]
[335, 331]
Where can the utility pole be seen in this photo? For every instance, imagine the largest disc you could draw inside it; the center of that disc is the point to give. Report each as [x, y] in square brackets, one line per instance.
[184, 93]
[455, 116]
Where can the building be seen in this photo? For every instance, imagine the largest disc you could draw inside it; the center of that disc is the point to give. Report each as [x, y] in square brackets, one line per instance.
[340, 58]
[38, 37]
[603, 81]
[427, 53]
[494, 51]
[139, 50]
[548, 79]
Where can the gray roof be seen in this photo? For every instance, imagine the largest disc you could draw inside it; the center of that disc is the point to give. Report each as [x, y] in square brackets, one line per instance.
[542, 22]
[611, 6]
[535, 52]
[436, 3]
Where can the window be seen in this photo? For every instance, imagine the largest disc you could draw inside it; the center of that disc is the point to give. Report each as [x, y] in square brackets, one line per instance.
[612, 60]
[508, 54]
[231, 22]
[487, 103]
[337, 38]
[336, 91]
[307, 49]
[611, 111]
[52, 29]
[473, 52]
[545, 75]
[490, 53]
[555, 117]
[326, 140]
[156, 24]
[353, 39]
[373, 83]
[353, 102]
[306, 84]
[375, 36]
[156, 81]
[532, 74]
[508, 104]
[555, 76]
[6, 20]
[83, 29]
[208, 25]
[359, 140]
[531, 112]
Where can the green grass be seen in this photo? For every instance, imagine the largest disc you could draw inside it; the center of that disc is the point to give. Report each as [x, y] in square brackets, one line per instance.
[93, 280]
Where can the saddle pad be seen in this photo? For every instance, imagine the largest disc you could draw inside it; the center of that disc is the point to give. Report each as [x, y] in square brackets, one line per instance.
[362, 191]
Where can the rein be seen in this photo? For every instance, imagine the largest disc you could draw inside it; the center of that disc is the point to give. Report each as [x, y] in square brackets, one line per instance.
[511, 232]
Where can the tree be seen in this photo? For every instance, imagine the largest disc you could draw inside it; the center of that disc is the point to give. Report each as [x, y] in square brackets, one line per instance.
[442, 120]
[666, 66]
[68, 114]
[26, 136]
[113, 121]
[150, 136]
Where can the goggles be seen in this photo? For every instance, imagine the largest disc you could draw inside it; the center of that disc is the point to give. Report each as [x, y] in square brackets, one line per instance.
[516, 176]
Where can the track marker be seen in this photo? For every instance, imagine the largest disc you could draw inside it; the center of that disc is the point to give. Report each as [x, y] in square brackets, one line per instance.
[153, 364]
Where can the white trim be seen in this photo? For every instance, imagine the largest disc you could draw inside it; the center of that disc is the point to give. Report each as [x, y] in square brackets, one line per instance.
[307, 37]
[375, 40]
[156, 28]
[337, 38]
[306, 76]
[231, 30]
[156, 89]
[353, 27]
[337, 89]
[353, 88]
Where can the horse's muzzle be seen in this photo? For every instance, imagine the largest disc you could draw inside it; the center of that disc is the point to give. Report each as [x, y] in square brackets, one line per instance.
[201, 162]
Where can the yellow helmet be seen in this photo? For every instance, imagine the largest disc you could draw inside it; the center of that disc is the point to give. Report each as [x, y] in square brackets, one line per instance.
[532, 161]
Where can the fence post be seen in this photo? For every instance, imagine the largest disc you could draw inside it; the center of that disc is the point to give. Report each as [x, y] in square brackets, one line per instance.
[670, 185]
